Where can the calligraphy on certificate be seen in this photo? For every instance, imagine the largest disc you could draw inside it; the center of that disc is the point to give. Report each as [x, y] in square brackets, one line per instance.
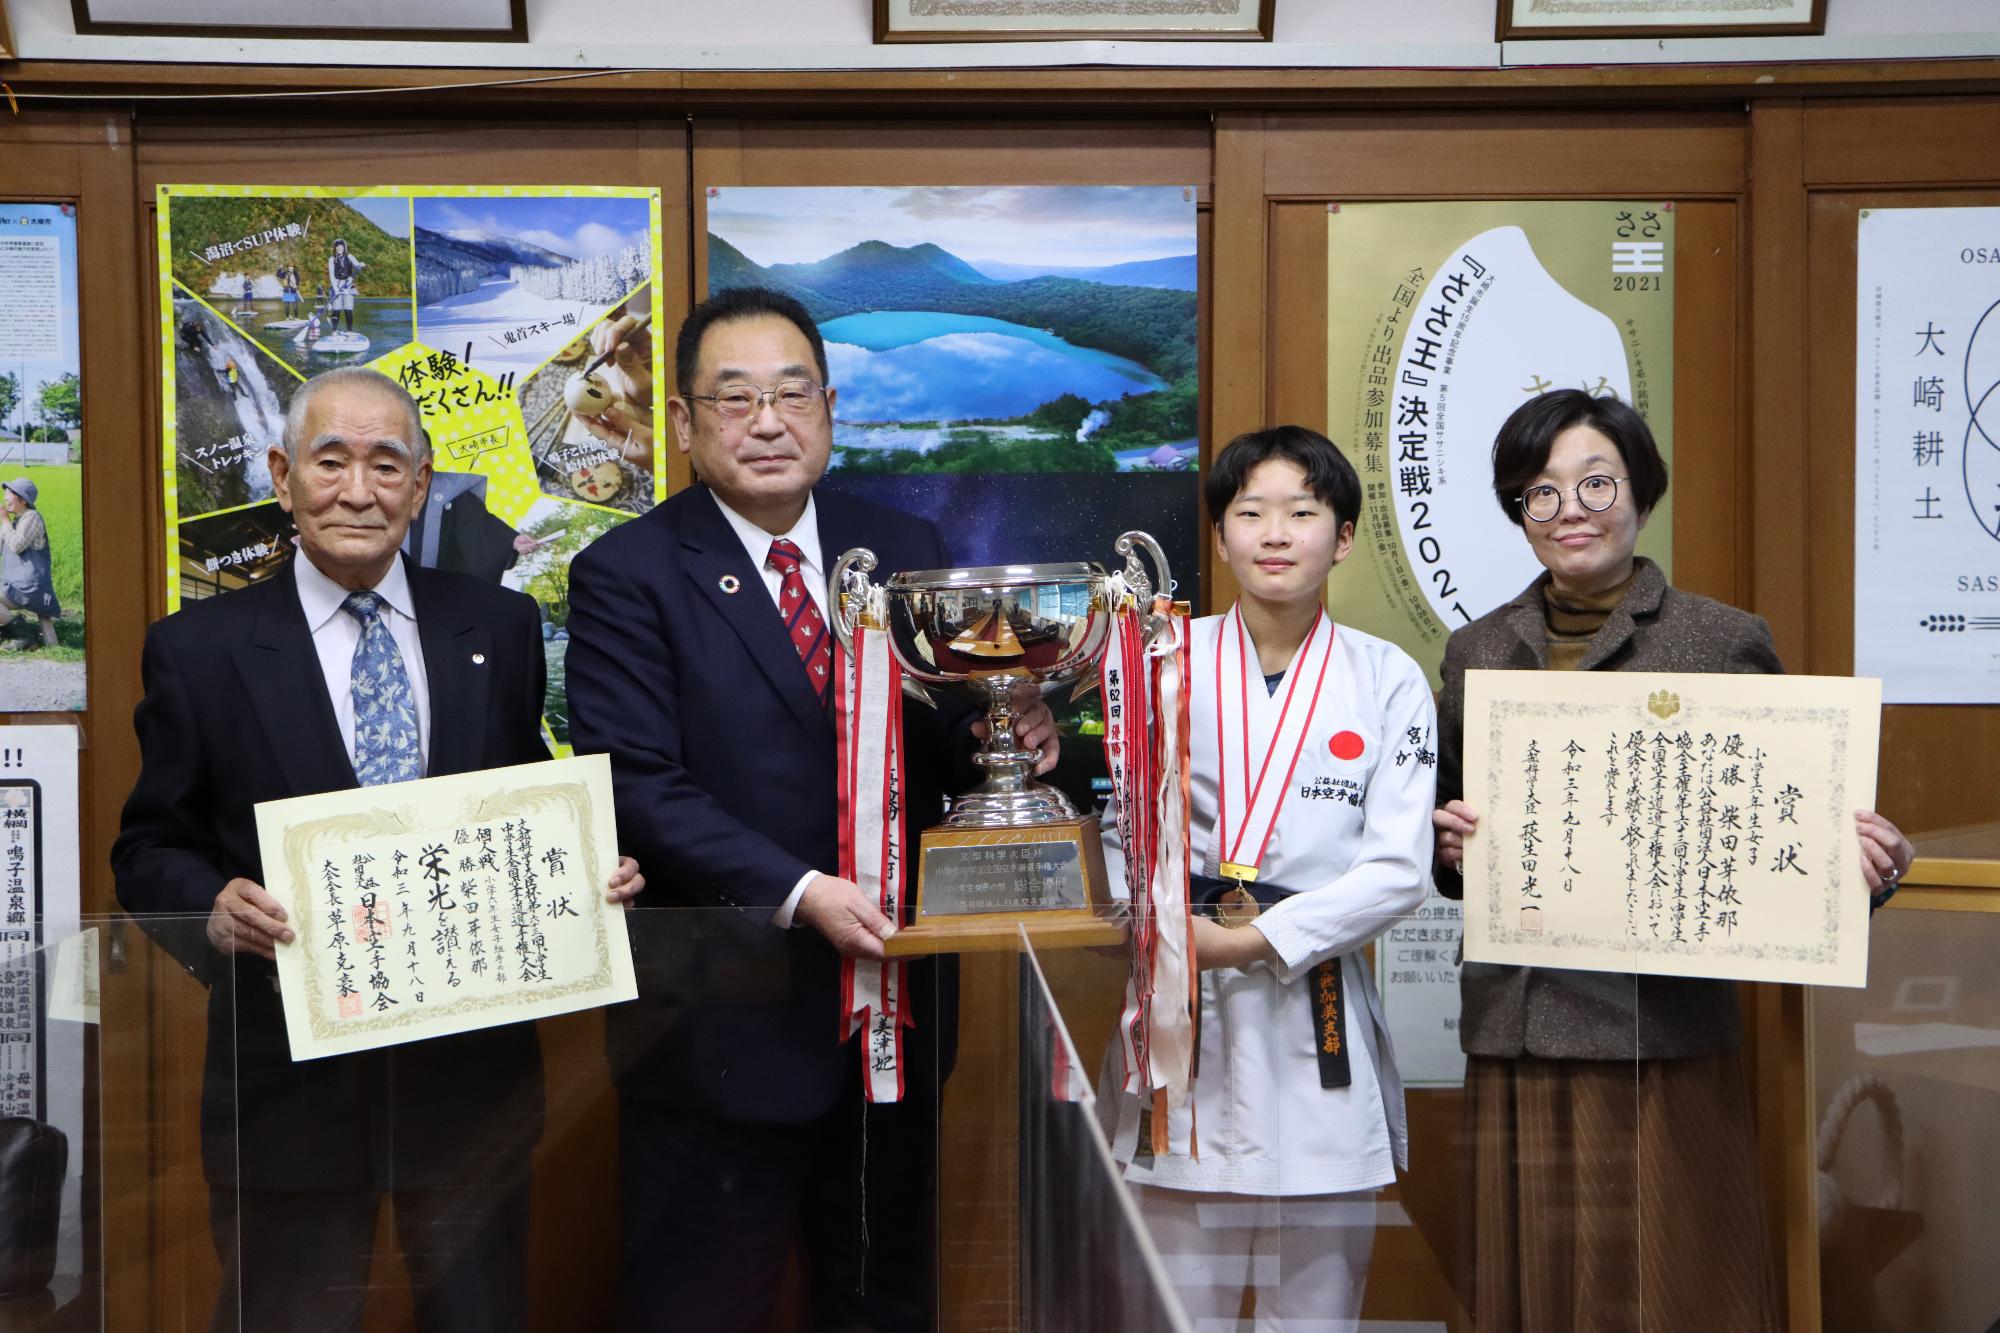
[1697, 825]
[448, 904]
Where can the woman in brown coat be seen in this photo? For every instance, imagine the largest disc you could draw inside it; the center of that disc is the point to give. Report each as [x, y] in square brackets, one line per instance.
[1613, 1155]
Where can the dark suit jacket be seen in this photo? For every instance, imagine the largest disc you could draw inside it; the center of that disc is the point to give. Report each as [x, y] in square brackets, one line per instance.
[723, 761]
[236, 712]
[455, 531]
[1551, 1012]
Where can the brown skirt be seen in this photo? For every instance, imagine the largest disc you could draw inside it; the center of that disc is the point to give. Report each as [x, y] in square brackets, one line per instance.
[1614, 1195]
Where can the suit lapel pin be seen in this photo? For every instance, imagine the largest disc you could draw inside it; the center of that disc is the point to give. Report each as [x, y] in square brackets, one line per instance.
[479, 659]
[729, 583]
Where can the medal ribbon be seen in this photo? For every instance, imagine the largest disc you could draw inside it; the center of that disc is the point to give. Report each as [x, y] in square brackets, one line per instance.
[868, 731]
[1231, 852]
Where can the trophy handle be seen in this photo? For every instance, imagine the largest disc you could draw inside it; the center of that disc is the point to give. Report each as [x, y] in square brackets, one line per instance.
[854, 598]
[1129, 545]
[852, 592]
[1143, 589]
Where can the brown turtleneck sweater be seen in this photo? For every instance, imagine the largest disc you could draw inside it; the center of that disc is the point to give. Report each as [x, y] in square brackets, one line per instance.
[1574, 621]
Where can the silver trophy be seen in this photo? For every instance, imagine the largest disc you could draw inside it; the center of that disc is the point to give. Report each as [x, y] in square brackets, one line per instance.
[989, 631]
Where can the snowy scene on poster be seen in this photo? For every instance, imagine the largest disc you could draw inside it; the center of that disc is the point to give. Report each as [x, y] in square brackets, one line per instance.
[484, 302]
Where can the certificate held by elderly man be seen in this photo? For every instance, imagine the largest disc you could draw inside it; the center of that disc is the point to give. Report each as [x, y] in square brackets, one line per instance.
[1684, 825]
[433, 907]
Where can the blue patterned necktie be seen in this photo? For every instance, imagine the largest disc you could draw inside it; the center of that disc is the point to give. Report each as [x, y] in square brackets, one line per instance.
[386, 747]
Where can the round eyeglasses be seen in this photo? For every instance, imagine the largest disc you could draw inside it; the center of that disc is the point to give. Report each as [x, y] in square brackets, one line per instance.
[1595, 493]
[794, 398]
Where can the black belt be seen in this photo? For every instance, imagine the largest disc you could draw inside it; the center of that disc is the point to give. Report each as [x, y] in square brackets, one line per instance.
[1237, 904]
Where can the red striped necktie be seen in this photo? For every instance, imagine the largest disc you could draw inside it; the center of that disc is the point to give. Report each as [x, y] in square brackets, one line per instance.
[802, 618]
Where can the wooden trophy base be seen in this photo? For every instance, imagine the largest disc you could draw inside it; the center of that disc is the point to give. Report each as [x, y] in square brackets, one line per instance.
[977, 889]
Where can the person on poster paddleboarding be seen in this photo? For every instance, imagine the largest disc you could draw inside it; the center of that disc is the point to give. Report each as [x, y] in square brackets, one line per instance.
[342, 271]
[1313, 776]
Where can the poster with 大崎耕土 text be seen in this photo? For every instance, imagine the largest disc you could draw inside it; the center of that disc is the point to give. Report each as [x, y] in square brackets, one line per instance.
[1927, 454]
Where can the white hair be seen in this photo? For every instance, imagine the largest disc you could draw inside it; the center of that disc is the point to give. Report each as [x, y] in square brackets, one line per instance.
[354, 377]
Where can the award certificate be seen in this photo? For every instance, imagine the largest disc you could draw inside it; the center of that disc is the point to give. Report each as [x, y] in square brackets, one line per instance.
[1678, 824]
[439, 906]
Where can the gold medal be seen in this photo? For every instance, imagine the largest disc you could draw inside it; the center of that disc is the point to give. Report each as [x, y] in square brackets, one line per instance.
[1242, 874]
[1236, 907]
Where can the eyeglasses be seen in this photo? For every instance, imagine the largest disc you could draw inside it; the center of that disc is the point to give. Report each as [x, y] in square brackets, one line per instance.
[1595, 493]
[795, 398]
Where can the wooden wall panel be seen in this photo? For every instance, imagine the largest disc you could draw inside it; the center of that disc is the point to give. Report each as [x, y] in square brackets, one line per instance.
[1505, 154]
[1902, 141]
[1237, 301]
[1777, 413]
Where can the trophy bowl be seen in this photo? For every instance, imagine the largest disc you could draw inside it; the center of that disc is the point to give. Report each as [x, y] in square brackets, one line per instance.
[993, 632]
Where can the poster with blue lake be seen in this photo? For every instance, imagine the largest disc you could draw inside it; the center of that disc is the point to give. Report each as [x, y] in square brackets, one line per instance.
[1017, 363]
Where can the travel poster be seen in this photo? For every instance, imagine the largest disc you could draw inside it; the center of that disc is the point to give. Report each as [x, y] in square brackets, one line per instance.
[487, 303]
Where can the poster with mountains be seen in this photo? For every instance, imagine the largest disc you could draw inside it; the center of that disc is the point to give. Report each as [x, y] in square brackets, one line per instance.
[1017, 363]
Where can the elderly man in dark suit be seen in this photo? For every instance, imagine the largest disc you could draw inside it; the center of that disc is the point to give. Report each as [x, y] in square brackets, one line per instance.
[742, 1123]
[351, 668]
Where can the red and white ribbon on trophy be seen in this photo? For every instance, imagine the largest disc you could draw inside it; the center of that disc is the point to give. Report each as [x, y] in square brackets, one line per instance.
[868, 728]
[1146, 742]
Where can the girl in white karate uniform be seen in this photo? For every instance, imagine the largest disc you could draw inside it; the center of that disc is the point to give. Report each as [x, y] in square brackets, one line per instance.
[1314, 771]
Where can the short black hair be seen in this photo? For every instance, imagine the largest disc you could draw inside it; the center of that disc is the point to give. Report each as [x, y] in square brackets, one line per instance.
[1521, 449]
[1328, 473]
[734, 303]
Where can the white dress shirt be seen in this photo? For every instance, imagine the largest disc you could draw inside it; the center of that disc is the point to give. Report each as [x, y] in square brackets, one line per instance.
[812, 570]
[335, 635]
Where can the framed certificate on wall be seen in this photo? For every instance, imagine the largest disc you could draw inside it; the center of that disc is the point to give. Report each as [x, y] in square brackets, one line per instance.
[1072, 20]
[1521, 20]
[395, 20]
